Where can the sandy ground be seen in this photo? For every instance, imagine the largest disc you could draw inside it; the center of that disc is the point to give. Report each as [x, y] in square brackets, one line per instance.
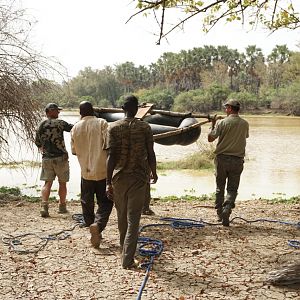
[213, 262]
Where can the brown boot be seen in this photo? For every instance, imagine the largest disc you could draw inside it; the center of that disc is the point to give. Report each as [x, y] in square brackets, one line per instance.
[225, 216]
[62, 208]
[148, 212]
[44, 210]
[220, 215]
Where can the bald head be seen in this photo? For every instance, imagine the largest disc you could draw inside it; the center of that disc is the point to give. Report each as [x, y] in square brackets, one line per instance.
[86, 109]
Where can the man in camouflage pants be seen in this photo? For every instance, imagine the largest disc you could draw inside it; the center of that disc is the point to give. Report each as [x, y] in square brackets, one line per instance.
[50, 141]
[130, 156]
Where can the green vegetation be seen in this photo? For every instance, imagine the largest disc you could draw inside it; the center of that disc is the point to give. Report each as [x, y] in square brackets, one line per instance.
[14, 193]
[199, 160]
[211, 197]
[203, 197]
[195, 80]
[292, 200]
[195, 161]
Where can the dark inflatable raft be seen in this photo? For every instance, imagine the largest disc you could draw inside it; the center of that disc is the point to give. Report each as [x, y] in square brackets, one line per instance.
[164, 125]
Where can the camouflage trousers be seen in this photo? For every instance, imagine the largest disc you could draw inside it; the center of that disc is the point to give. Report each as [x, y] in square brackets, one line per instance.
[228, 169]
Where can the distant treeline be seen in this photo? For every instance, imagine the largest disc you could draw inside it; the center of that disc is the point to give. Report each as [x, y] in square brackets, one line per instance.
[199, 80]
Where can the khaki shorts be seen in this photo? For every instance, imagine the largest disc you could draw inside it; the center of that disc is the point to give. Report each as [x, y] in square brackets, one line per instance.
[58, 166]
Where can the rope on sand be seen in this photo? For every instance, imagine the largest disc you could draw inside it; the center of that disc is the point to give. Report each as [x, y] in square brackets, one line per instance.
[78, 218]
[152, 248]
[294, 243]
[17, 243]
[266, 220]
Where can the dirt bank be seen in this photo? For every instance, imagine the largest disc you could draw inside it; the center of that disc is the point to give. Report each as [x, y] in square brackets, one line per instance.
[213, 262]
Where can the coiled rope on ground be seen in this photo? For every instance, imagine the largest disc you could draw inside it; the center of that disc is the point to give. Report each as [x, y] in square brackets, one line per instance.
[153, 248]
[17, 243]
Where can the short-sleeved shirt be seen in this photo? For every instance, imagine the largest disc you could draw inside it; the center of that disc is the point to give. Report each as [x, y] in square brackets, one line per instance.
[232, 132]
[50, 136]
[88, 139]
[128, 139]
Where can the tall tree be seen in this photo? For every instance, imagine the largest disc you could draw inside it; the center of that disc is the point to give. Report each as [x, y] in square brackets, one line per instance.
[251, 78]
[276, 60]
[126, 75]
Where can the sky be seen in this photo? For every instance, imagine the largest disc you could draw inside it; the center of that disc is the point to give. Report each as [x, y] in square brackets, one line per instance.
[94, 33]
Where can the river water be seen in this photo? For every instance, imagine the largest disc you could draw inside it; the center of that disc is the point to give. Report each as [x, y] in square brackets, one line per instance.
[272, 164]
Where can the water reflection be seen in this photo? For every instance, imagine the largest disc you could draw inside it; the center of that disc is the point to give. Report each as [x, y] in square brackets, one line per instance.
[272, 165]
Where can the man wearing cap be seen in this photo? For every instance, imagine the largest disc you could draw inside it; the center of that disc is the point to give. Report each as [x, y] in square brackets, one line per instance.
[88, 139]
[231, 132]
[130, 156]
[50, 141]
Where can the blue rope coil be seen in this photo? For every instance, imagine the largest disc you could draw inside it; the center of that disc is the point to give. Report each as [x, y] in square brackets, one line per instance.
[294, 243]
[150, 247]
[179, 223]
[78, 218]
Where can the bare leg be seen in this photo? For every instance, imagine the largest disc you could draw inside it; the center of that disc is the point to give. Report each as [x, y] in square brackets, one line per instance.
[46, 189]
[62, 192]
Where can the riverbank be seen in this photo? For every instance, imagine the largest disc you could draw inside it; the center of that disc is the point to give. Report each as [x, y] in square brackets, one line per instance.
[213, 262]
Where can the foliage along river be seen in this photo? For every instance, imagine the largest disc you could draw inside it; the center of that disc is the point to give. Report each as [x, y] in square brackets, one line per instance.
[272, 164]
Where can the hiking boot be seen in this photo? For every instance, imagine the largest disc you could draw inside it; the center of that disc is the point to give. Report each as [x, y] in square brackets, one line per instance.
[62, 208]
[225, 216]
[44, 211]
[148, 212]
[134, 265]
[219, 213]
[95, 235]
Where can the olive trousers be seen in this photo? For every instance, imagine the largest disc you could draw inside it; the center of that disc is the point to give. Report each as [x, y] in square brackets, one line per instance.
[228, 169]
[129, 198]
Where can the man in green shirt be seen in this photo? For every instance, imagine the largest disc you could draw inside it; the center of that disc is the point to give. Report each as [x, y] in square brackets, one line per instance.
[50, 141]
[231, 132]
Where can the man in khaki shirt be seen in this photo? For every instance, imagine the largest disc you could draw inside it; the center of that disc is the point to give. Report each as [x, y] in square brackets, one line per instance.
[231, 132]
[88, 138]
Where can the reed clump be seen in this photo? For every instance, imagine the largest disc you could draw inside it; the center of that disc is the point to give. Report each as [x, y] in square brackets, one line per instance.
[199, 160]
